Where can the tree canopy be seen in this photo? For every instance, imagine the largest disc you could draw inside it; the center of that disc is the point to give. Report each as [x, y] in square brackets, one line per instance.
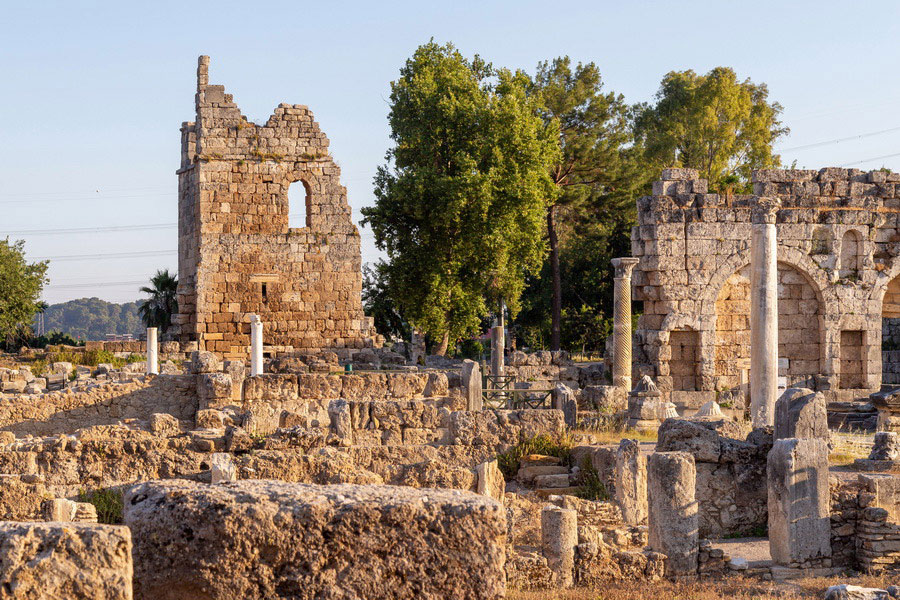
[460, 205]
[93, 318]
[715, 123]
[21, 284]
[162, 305]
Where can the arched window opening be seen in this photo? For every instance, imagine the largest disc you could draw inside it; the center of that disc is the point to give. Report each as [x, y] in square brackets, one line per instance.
[298, 205]
[851, 255]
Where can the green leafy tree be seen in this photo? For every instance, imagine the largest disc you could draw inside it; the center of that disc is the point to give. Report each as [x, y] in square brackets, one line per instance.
[460, 208]
[596, 169]
[21, 284]
[162, 305]
[723, 127]
[379, 304]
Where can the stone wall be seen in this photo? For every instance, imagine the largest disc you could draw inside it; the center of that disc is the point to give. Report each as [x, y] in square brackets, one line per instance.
[838, 236]
[237, 254]
[65, 411]
[731, 473]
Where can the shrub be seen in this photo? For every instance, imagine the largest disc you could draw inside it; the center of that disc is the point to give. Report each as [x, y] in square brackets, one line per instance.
[592, 487]
[108, 502]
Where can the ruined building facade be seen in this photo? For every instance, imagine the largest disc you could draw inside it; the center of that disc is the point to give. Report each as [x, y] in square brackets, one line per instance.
[838, 239]
[237, 254]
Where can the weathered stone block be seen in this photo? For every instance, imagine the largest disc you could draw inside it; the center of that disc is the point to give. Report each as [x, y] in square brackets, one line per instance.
[631, 482]
[799, 501]
[801, 413]
[196, 540]
[65, 560]
[672, 514]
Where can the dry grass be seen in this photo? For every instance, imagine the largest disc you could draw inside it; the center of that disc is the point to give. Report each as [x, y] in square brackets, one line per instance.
[732, 588]
[616, 435]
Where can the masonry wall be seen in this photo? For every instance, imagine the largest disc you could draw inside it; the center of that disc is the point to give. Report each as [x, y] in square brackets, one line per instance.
[838, 240]
[237, 254]
[106, 404]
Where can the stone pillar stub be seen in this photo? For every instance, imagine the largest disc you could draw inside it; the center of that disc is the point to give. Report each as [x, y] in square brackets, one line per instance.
[471, 380]
[631, 482]
[256, 345]
[801, 413]
[498, 344]
[799, 502]
[673, 512]
[621, 368]
[763, 313]
[152, 352]
[559, 536]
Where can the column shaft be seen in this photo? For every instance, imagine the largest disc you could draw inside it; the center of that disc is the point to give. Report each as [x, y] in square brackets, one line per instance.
[763, 324]
[152, 352]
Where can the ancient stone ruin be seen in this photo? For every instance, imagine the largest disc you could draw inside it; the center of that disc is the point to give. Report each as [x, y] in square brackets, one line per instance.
[238, 254]
[275, 450]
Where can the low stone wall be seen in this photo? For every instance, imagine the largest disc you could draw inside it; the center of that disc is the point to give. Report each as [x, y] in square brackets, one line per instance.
[105, 404]
[198, 540]
[731, 473]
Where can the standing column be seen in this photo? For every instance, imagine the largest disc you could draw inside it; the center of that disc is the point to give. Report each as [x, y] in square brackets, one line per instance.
[256, 345]
[621, 368]
[763, 314]
[498, 344]
[152, 352]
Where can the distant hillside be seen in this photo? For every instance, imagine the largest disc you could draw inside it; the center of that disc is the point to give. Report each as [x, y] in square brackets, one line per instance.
[93, 318]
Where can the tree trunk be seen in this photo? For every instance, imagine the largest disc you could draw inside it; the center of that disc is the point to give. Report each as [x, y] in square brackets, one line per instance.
[556, 301]
[441, 350]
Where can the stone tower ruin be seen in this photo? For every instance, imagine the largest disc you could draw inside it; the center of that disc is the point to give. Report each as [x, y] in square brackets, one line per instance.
[237, 254]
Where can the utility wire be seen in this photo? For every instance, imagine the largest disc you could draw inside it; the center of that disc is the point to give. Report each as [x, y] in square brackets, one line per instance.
[89, 229]
[93, 285]
[859, 162]
[108, 255]
[839, 140]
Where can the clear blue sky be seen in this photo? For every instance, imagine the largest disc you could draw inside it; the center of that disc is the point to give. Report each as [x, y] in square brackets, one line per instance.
[94, 93]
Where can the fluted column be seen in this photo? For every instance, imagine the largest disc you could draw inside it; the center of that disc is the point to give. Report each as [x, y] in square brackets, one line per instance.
[621, 369]
[256, 345]
[763, 313]
[152, 352]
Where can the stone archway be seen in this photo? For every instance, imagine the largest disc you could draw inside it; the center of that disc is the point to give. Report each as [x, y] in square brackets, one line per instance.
[799, 330]
[890, 333]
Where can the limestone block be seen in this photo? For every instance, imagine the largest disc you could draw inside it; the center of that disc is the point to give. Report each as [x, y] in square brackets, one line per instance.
[799, 501]
[801, 413]
[221, 468]
[559, 536]
[352, 541]
[631, 482]
[471, 379]
[205, 362]
[210, 418]
[270, 387]
[490, 480]
[214, 389]
[437, 385]
[563, 398]
[886, 446]
[855, 592]
[317, 385]
[341, 419]
[65, 560]
[164, 424]
[60, 510]
[672, 510]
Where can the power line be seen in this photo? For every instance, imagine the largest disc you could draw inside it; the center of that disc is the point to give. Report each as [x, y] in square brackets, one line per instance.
[93, 285]
[85, 192]
[89, 229]
[107, 255]
[859, 162]
[838, 140]
[86, 198]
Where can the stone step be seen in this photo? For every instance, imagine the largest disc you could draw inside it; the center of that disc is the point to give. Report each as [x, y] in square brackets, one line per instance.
[552, 481]
[545, 493]
[526, 475]
[539, 460]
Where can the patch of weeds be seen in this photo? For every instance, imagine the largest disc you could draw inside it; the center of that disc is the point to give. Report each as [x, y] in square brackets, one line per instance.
[758, 531]
[592, 487]
[108, 502]
[560, 447]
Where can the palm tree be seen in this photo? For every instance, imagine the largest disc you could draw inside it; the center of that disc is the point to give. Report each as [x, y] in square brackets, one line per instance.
[158, 309]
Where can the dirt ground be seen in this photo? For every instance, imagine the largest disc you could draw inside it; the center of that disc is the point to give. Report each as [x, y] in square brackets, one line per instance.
[732, 588]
